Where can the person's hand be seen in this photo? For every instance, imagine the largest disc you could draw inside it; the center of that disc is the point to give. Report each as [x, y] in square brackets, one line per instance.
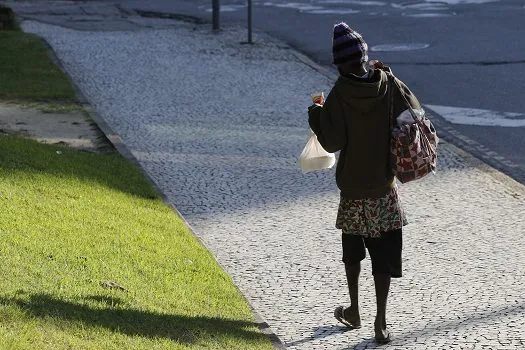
[376, 64]
[314, 106]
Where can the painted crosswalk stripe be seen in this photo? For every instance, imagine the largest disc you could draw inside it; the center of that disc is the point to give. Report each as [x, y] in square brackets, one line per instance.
[481, 117]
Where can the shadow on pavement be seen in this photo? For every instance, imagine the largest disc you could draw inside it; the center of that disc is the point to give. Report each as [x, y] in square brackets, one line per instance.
[320, 333]
[231, 183]
[400, 338]
[486, 318]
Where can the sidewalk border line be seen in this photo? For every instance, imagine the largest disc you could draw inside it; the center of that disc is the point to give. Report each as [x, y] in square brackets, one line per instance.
[119, 145]
[496, 174]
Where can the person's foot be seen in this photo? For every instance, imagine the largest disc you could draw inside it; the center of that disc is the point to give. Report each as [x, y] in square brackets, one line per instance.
[382, 334]
[349, 317]
[351, 314]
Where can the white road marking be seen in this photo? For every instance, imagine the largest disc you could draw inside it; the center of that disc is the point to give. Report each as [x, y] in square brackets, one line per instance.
[333, 11]
[226, 8]
[463, 2]
[481, 117]
[295, 5]
[323, 7]
[429, 15]
[399, 47]
[354, 2]
[421, 6]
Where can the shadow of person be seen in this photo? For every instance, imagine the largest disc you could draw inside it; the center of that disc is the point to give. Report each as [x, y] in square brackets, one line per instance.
[486, 318]
[320, 333]
[364, 344]
[180, 328]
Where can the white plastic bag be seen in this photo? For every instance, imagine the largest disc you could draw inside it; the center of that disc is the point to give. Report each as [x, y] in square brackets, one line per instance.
[314, 156]
[406, 117]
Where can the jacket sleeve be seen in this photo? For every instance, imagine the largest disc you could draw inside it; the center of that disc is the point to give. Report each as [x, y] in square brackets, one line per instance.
[327, 122]
[400, 104]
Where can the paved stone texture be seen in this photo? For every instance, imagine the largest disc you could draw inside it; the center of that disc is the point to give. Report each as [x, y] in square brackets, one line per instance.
[219, 126]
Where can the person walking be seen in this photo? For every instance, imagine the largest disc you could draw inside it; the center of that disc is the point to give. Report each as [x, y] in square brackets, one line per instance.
[355, 120]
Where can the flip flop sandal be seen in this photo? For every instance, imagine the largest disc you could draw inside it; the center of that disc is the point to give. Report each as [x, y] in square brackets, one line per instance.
[339, 315]
[384, 340]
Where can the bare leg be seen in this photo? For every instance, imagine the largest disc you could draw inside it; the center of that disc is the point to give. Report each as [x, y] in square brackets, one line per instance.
[352, 277]
[382, 284]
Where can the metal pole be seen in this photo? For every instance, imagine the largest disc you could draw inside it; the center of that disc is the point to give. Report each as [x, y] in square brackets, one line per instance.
[250, 22]
[216, 10]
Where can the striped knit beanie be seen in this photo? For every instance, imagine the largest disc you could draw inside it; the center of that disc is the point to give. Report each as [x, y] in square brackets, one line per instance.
[348, 45]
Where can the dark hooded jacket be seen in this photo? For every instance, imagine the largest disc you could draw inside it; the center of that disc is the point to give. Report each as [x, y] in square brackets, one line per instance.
[355, 120]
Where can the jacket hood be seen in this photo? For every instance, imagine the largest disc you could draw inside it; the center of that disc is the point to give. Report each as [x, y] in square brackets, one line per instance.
[363, 94]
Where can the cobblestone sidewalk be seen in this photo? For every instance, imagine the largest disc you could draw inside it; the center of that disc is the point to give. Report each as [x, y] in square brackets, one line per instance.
[219, 125]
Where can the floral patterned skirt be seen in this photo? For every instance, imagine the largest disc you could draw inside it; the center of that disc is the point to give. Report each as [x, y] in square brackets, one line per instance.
[370, 217]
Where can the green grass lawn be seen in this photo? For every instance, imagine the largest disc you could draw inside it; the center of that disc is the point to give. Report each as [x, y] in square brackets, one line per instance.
[71, 220]
[29, 77]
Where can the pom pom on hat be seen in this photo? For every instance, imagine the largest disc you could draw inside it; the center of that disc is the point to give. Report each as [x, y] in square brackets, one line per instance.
[348, 45]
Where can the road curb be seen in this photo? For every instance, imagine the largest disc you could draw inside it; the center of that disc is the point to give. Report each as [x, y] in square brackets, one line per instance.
[116, 141]
[514, 186]
[327, 72]
[474, 149]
